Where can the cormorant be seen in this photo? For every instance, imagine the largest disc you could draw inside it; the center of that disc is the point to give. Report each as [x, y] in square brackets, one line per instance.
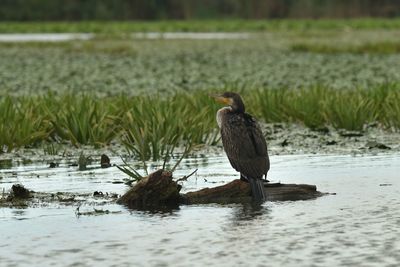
[243, 142]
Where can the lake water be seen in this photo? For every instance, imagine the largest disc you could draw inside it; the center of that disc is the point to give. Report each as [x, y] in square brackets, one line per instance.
[359, 226]
[44, 37]
[62, 37]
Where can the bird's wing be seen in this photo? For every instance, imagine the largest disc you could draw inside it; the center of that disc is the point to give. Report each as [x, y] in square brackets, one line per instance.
[256, 136]
[245, 146]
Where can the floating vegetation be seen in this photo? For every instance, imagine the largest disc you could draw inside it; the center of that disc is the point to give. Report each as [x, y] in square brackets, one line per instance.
[385, 47]
[114, 67]
[94, 212]
[151, 127]
[151, 95]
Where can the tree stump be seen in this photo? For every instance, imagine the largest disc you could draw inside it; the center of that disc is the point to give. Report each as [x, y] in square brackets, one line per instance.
[157, 190]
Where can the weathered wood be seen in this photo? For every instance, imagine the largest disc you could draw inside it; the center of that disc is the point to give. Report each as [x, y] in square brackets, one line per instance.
[159, 190]
[233, 192]
[284, 192]
[239, 191]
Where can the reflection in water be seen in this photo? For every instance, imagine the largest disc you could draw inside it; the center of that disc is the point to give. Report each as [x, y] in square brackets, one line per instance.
[249, 212]
[160, 212]
[19, 214]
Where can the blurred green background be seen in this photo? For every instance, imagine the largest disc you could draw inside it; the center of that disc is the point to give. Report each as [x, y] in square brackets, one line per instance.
[25, 10]
[317, 63]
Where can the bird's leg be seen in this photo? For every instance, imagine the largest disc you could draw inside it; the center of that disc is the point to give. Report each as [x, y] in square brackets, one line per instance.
[243, 178]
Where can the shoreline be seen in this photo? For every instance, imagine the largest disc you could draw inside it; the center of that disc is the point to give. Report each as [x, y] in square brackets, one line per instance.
[282, 139]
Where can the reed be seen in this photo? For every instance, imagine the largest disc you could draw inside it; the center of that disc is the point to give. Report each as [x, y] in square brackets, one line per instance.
[81, 119]
[390, 115]
[349, 110]
[21, 125]
[320, 106]
[151, 127]
[155, 126]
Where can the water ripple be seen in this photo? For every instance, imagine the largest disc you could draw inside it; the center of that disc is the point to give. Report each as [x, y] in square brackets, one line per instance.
[356, 227]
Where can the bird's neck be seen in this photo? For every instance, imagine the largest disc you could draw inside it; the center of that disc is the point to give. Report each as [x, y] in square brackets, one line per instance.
[238, 107]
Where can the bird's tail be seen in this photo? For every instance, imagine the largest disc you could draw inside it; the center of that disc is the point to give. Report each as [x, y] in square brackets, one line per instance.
[257, 190]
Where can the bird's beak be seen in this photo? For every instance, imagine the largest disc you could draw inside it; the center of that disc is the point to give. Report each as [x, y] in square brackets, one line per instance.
[221, 99]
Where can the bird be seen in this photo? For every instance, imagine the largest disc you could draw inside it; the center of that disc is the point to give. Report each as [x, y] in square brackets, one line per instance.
[243, 142]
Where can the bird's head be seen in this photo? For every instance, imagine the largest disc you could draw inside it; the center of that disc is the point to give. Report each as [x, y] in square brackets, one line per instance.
[231, 99]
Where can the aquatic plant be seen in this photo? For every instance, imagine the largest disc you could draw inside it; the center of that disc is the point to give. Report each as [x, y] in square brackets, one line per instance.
[81, 119]
[150, 127]
[284, 105]
[390, 115]
[21, 124]
[349, 110]
[385, 47]
[51, 148]
[154, 126]
[319, 106]
[114, 67]
[131, 171]
[135, 175]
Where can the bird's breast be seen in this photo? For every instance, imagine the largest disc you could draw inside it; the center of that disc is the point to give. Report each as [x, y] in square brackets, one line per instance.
[221, 115]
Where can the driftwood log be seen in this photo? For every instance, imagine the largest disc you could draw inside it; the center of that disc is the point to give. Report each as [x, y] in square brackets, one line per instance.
[239, 191]
[160, 190]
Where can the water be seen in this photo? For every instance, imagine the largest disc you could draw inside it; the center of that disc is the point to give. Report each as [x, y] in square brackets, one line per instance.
[194, 35]
[62, 37]
[44, 37]
[356, 227]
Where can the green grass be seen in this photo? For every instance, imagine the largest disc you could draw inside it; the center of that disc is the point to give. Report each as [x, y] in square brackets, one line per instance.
[82, 120]
[151, 127]
[154, 127]
[151, 95]
[198, 26]
[343, 109]
[21, 124]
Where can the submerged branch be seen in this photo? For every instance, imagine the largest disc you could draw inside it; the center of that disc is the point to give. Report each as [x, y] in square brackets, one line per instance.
[184, 178]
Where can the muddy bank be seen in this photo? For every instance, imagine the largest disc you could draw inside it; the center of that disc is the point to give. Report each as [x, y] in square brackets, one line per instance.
[22, 197]
[297, 139]
[282, 139]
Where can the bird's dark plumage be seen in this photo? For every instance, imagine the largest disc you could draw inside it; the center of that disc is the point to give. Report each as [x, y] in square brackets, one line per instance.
[243, 142]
